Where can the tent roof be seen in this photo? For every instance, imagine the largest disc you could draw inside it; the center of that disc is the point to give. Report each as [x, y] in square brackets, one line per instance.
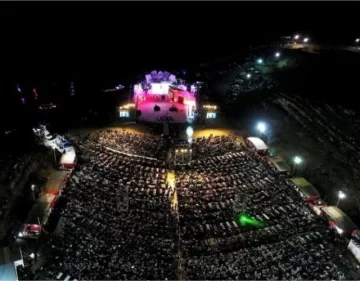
[280, 164]
[8, 272]
[340, 218]
[258, 143]
[307, 188]
[68, 157]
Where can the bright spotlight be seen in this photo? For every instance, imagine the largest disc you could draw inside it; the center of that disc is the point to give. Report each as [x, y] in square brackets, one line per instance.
[20, 234]
[357, 40]
[189, 131]
[259, 61]
[297, 160]
[248, 75]
[306, 40]
[297, 36]
[261, 127]
[341, 195]
[277, 54]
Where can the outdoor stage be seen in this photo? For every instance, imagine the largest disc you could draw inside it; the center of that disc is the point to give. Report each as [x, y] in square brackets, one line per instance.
[163, 98]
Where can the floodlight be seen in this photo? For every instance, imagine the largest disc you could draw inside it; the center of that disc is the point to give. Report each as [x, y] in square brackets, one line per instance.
[297, 160]
[261, 127]
[341, 195]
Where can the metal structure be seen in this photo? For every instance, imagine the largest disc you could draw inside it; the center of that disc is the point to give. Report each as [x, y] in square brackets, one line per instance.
[183, 155]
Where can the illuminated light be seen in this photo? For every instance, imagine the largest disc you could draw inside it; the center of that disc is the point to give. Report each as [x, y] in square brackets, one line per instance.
[32, 255]
[306, 40]
[248, 76]
[261, 127]
[297, 160]
[357, 40]
[259, 61]
[342, 195]
[277, 55]
[189, 131]
[245, 220]
[20, 234]
[297, 36]
[339, 230]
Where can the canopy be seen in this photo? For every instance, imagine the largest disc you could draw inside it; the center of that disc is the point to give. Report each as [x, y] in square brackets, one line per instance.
[280, 164]
[341, 220]
[258, 143]
[68, 157]
[305, 187]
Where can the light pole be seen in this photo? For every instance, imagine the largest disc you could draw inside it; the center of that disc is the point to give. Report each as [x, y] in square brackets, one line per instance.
[32, 191]
[341, 195]
[54, 154]
[297, 160]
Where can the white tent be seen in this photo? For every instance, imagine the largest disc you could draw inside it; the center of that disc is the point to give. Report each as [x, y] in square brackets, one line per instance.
[257, 143]
[68, 158]
[354, 248]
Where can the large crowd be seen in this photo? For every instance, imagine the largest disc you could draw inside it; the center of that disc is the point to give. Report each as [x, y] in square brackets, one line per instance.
[293, 244]
[213, 145]
[119, 220]
[133, 143]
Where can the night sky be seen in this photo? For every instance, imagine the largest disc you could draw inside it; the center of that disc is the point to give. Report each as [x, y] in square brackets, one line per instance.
[47, 45]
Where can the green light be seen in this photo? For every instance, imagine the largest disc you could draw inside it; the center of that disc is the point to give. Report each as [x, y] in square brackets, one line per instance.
[244, 220]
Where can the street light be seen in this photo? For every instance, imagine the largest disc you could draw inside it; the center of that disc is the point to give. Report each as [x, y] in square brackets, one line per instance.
[259, 61]
[261, 127]
[357, 40]
[277, 55]
[297, 37]
[297, 161]
[306, 40]
[54, 154]
[32, 191]
[341, 195]
[248, 76]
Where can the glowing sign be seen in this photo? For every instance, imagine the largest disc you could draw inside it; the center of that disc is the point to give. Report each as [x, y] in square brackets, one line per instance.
[210, 115]
[124, 114]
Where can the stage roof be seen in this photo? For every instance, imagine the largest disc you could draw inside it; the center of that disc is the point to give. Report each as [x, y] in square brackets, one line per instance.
[307, 188]
[258, 143]
[340, 218]
[280, 164]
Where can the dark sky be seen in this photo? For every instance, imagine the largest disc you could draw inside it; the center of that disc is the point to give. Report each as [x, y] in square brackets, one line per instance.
[45, 45]
[94, 40]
